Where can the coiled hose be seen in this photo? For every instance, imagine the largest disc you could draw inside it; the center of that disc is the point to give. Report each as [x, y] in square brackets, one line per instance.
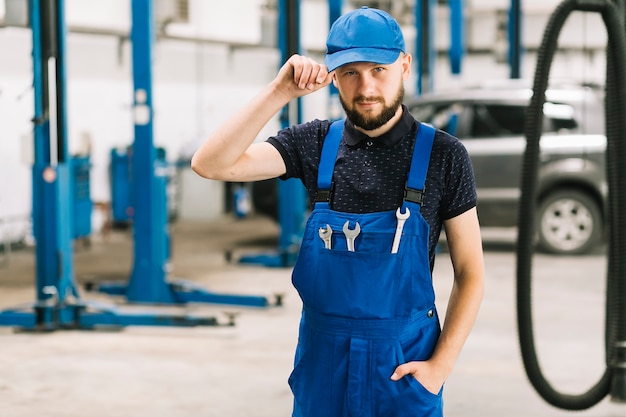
[612, 15]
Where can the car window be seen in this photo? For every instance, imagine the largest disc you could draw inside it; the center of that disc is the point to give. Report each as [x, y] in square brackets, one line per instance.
[468, 120]
[495, 120]
[558, 117]
[424, 112]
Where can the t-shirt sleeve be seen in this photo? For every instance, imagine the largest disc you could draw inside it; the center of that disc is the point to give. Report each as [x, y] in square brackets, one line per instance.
[460, 187]
[300, 146]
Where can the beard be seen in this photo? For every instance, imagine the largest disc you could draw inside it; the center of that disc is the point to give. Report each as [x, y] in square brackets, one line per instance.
[372, 122]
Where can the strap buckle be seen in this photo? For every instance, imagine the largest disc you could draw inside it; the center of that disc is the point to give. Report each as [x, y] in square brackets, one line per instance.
[414, 196]
[323, 196]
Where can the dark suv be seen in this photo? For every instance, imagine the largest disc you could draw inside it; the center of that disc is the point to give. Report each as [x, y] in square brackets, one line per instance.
[571, 175]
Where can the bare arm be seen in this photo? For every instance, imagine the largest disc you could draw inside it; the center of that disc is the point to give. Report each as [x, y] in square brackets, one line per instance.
[229, 154]
[464, 241]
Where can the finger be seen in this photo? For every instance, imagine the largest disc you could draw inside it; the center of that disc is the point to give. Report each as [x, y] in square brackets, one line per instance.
[401, 371]
[323, 78]
[303, 73]
[314, 75]
[319, 72]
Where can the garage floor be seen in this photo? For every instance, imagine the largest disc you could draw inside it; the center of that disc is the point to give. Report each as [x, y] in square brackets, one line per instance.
[242, 370]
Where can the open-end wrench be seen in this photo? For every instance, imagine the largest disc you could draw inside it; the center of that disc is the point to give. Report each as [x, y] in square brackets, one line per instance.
[401, 219]
[325, 234]
[351, 234]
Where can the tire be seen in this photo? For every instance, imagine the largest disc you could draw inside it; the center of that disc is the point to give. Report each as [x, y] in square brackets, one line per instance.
[569, 222]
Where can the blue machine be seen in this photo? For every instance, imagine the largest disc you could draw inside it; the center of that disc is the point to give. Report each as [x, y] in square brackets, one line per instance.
[58, 305]
[120, 187]
[425, 51]
[81, 191]
[121, 180]
[147, 283]
[291, 193]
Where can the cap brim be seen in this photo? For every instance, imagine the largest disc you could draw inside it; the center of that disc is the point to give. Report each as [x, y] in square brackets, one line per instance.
[347, 56]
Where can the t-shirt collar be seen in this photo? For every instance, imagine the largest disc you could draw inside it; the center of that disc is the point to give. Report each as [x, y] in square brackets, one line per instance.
[353, 137]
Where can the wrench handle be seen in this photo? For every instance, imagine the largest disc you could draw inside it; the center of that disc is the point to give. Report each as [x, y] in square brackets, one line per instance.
[397, 237]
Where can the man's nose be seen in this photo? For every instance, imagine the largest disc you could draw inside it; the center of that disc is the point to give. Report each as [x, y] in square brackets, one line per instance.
[367, 85]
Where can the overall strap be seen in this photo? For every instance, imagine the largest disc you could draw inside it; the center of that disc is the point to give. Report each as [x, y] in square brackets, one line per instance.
[327, 164]
[414, 191]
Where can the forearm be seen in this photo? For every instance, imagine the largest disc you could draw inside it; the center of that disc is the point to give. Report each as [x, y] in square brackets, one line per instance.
[461, 313]
[217, 157]
[229, 153]
[463, 235]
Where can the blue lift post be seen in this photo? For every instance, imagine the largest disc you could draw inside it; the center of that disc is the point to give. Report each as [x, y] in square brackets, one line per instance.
[515, 35]
[334, 105]
[58, 305]
[425, 44]
[291, 193]
[147, 283]
[457, 35]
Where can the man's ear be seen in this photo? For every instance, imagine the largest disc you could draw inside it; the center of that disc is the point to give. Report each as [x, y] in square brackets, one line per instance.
[406, 66]
[335, 79]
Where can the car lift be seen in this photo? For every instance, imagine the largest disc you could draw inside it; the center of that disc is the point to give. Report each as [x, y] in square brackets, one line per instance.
[147, 283]
[58, 305]
[291, 193]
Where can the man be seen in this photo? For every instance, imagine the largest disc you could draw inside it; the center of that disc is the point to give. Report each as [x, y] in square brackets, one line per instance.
[382, 185]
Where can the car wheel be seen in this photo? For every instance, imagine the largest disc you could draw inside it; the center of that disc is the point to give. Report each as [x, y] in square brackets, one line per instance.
[570, 222]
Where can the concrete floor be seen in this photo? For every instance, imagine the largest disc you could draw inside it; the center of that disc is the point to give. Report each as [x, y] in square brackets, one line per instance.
[242, 370]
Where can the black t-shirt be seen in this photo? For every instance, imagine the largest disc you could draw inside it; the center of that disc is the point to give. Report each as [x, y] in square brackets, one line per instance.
[370, 173]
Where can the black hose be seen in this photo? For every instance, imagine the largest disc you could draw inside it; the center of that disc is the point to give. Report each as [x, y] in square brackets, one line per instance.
[616, 173]
[616, 180]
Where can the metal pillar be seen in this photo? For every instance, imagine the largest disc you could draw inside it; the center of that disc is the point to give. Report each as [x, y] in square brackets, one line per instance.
[51, 209]
[147, 283]
[425, 44]
[291, 193]
[334, 105]
[515, 35]
[456, 35]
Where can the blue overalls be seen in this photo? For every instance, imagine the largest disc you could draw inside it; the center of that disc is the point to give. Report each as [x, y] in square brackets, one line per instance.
[365, 311]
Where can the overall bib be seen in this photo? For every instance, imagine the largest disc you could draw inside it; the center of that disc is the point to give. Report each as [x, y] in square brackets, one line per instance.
[365, 311]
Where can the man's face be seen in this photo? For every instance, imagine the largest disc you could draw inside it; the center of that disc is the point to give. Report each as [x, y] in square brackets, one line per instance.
[371, 94]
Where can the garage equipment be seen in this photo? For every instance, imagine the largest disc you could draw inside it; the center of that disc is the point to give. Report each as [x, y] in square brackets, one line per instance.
[613, 381]
[398, 235]
[80, 189]
[326, 234]
[425, 52]
[351, 234]
[147, 283]
[58, 304]
[291, 194]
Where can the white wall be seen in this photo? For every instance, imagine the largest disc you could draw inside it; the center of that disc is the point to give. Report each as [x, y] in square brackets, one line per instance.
[199, 84]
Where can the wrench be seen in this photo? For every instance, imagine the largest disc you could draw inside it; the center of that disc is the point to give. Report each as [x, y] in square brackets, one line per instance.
[351, 234]
[325, 234]
[401, 219]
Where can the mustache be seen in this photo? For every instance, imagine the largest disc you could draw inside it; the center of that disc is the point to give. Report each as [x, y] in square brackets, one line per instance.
[364, 99]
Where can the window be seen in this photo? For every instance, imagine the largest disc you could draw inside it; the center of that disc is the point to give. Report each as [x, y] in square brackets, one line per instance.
[495, 120]
[558, 117]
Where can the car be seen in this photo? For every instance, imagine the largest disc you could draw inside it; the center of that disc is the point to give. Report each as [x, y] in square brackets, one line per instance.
[489, 120]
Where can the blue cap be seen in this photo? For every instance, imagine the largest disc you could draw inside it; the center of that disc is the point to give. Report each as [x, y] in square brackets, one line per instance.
[364, 35]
